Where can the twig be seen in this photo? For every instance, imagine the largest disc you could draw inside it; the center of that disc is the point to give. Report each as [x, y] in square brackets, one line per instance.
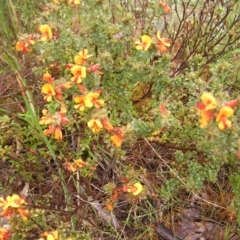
[107, 216]
[165, 233]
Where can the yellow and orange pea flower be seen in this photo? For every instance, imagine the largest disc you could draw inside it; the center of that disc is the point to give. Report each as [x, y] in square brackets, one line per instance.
[60, 118]
[47, 118]
[106, 124]
[51, 235]
[78, 72]
[73, 167]
[162, 44]
[25, 45]
[206, 108]
[46, 32]
[14, 201]
[48, 78]
[74, 2]
[95, 125]
[118, 131]
[58, 89]
[82, 103]
[144, 44]
[55, 130]
[206, 117]
[54, 122]
[23, 213]
[208, 102]
[5, 234]
[59, 94]
[13, 205]
[207, 111]
[222, 117]
[82, 57]
[95, 68]
[93, 96]
[164, 6]
[48, 90]
[116, 141]
[117, 137]
[88, 101]
[80, 163]
[135, 189]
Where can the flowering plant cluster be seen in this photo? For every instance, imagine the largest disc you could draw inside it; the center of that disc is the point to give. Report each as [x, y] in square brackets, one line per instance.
[85, 100]
[54, 122]
[25, 45]
[54, 90]
[73, 167]
[208, 111]
[5, 234]
[162, 44]
[12, 206]
[120, 77]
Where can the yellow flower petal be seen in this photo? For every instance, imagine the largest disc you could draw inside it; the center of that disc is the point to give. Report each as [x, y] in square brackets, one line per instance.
[208, 100]
[82, 57]
[46, 32]
[147, 42]
[95, 125]
[222, 117]
[224, 112]
[144, 44]
[48, 89]
[80, 163]
[224, 124]
[79, 72]
[138, 188]
[75, 2]
[70, 166]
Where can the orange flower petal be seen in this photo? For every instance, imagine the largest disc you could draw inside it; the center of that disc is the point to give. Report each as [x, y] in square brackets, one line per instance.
[106, 124]
[117, 141]
[58, 133]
